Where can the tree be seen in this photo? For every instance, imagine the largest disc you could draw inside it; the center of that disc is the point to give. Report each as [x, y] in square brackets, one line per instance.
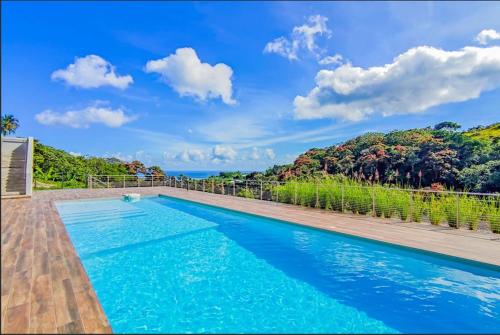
[155, 170]
[135, 167]
[447, 125]
[9, 124]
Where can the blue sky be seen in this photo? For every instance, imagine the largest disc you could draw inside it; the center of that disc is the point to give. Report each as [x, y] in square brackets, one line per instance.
[224, 86]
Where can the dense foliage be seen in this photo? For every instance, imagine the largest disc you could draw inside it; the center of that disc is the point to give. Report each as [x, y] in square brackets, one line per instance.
[423, 157]
[52, 166]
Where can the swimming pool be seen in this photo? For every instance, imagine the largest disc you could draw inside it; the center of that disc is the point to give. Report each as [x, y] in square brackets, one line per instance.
[168, 265]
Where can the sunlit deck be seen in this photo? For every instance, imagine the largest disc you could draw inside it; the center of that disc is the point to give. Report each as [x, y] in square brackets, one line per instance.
[45, 288]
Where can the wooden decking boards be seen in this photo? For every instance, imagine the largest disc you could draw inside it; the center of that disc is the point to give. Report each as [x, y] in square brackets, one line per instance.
[46, 290]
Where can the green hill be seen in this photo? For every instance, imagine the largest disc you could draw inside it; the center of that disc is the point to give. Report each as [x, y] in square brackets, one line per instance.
[441, 155]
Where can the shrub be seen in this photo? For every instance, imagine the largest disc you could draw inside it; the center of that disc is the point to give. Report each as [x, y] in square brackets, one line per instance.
[493, 216]
[449, 204]
[418, 207]
[246, 193]
[402, 203]
[470, 211]
[435, 210]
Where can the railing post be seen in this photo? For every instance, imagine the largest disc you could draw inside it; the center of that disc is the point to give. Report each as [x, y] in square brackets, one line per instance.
[108, 180]
[195, 184]
[123, 181]
[213, 186]
[410, 214]
[187, 184]
[342, 198]
[222, 185]
[89, 181]
[261, 190]
[234, 188]
[374, 214]
[138, 182]
[152, 180]
[317, 195]
[295, 194]
[203, 185]
[458, 211]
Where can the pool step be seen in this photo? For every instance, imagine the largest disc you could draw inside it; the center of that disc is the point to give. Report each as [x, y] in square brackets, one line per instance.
[99, 212]
[103, 217]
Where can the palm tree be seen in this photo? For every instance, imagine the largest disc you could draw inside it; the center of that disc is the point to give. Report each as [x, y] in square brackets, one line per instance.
[9, 124]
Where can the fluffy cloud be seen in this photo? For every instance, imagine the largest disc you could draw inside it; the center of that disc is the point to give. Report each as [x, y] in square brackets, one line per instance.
[416, 80]
[83, 118]
[223, 153]
[92, 71]
[486, 36]
[188, 76]
[191, 155]
[270, 153]
[302, 37]
[254, 155]
[335, 59]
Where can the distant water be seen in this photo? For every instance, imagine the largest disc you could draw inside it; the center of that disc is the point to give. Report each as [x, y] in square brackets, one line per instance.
[197, 174]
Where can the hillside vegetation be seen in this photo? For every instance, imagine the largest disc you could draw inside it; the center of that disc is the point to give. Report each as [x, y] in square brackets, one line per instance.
[54, 167]
[441, 156]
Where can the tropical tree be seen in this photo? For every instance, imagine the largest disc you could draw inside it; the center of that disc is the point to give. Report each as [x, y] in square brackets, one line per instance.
[9, 124]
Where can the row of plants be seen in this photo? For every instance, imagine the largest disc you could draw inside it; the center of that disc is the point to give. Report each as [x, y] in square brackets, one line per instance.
[345, 195]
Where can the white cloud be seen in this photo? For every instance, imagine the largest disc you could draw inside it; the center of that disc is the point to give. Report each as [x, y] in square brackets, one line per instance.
[254, 155]
[188, 76]
[76, 154]
[223, 153]
[302, 37]
[83, 118]
[486, 36]
[191, 155]
[416, 80]
[335, 59]
[92, 71]
[270, 153]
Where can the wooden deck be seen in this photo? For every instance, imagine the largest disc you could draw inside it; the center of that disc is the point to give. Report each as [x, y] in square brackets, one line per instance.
[46, 290]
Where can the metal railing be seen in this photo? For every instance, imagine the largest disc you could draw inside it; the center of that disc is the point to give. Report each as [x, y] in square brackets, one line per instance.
[457, 209]
[122, 181]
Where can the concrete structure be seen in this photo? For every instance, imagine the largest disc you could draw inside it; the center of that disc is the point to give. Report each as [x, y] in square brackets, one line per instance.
[17, 167]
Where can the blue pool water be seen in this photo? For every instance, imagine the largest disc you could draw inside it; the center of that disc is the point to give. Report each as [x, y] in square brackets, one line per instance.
[168, 265]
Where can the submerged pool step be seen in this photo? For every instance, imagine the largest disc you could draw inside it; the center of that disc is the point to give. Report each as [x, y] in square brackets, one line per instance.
[99, 213]
[106, 210]
[104, 217]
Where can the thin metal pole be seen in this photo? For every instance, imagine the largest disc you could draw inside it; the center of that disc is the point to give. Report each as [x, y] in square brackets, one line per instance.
[152, 180]
[138, 182]
[195, 184]
[342, 201]
[108, 181]
[203, 185]
[123, 181]
[458, 212]
[373, 202]
[410, 214]
[261, 190]
[234, 188]
[213, 186]
[222, 185]
[277, 192]
[317, 194]
[188, 184]
[295, 194]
